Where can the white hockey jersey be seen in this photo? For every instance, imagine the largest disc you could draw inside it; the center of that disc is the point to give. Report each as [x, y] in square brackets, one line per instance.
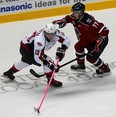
[39, 43]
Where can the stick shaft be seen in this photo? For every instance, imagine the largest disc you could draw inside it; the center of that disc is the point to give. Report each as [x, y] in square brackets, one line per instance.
[67, 63]
[38, 76]
[45, 93]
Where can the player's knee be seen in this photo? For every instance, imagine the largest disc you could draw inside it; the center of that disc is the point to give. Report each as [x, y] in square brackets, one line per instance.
[76, 47]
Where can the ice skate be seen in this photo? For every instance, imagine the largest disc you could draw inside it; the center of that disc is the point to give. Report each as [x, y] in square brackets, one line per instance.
[55, 83]
[78, 67]
[9, 74]
[104, 69]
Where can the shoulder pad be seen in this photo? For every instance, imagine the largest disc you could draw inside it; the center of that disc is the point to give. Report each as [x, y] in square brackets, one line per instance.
[87, 19]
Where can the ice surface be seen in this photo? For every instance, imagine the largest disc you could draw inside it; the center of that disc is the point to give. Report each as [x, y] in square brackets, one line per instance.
[82, 95]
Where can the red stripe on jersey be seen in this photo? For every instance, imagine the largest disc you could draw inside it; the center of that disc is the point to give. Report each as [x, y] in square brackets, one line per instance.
[23, 45]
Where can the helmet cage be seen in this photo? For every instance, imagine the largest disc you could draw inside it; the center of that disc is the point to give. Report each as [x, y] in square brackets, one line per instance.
[80, 12]
[51, 34]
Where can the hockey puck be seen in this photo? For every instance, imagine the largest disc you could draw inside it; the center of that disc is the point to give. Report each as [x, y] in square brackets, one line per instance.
[36, 110]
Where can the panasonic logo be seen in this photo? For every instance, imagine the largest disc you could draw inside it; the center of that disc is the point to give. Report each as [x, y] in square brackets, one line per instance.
[15, 8]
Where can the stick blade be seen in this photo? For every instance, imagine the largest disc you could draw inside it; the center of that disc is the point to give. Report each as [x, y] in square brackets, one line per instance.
[36, 74]
[36, 110]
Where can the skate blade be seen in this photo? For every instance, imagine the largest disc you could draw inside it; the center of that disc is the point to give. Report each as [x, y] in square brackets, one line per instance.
[79, 70]
[7, 77]
[101, 75]
[4, 76]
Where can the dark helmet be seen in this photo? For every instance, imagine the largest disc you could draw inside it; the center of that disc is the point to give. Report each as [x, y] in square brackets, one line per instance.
[78, 7]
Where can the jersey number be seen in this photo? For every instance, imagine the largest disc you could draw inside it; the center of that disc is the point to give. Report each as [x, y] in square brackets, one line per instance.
[95, 24]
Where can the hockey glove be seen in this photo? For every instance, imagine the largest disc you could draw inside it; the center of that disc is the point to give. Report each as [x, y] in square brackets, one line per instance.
[61, 23]
[50, 64]
[100, 44]
[60, 52]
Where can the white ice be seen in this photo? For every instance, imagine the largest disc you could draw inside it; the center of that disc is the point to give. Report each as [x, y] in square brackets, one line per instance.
[82, 95]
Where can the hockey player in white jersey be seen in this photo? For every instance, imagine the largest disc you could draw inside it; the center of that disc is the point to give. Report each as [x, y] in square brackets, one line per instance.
[32, 49]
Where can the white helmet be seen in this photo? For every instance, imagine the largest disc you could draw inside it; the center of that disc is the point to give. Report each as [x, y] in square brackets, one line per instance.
[50, 28]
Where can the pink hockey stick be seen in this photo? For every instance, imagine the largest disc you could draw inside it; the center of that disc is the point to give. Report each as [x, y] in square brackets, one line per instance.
[45, 93]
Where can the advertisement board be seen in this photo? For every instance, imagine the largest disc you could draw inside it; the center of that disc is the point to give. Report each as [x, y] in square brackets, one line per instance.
[16, 6]
[31, 8]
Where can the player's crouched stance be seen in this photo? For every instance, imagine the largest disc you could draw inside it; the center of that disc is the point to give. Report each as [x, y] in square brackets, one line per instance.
[92, 36]
[32, 49]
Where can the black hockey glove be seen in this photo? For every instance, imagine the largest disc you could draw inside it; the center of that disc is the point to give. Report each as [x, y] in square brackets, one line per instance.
[61, 23]
[51, 65]
[100, 44]
[60, 52]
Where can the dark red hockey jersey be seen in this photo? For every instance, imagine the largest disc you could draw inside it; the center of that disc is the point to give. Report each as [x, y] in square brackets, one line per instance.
[87, 29]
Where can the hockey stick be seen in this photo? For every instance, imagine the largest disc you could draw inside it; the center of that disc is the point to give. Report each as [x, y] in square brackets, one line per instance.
[38, 109]
[38, 76]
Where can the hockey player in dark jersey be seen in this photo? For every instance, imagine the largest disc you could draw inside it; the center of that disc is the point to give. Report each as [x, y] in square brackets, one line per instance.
[92, 36]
